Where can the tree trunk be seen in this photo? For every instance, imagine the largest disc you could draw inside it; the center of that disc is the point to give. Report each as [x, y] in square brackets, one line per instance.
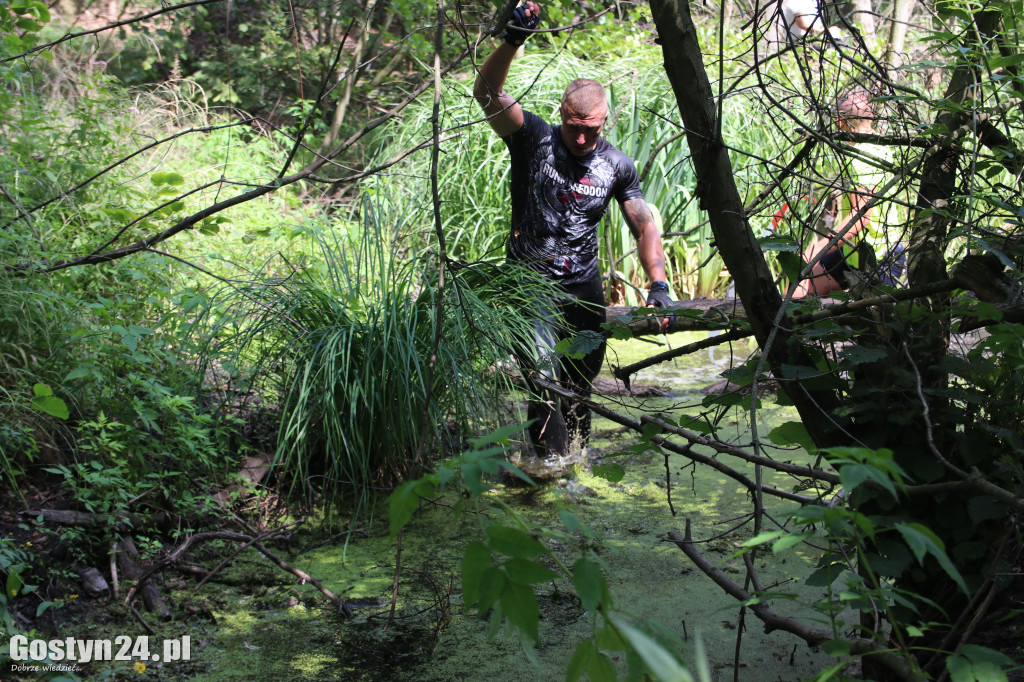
[716, 189]
[350, 76]
[901, 11]
[862, 15]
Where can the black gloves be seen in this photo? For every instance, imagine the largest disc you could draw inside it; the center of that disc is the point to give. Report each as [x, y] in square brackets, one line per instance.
[658, 295]
[513, 34]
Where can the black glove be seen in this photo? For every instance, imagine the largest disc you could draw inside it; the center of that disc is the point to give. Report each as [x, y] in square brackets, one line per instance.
[513, 34]
[658, 295]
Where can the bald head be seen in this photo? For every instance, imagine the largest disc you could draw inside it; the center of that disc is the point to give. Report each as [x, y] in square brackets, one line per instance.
[854, 110]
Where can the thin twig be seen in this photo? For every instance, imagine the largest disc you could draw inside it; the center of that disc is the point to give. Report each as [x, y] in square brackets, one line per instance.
[394, 584]
[114, 588]
[138, 616]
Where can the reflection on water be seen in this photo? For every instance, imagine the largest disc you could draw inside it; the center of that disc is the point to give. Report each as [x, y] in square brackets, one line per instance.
[682, 376]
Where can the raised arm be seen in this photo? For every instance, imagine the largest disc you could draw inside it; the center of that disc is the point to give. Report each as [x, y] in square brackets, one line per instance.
[503, 112]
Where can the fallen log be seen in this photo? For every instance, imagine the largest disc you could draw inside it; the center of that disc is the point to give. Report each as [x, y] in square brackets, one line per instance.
[708, 314]
[131, 570]
[70, 517]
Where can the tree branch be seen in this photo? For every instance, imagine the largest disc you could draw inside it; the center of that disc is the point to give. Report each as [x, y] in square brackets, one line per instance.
[69, 36]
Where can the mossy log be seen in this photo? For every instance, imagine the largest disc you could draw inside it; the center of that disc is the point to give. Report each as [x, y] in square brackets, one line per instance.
[702, 314]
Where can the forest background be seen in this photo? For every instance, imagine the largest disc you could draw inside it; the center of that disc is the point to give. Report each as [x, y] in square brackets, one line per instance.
[237, 234]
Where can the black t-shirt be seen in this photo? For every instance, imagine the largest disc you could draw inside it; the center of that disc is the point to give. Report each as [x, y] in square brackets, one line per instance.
[558, 199]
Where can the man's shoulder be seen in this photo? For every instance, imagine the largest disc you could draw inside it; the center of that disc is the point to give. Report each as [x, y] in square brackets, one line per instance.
[533, 126]
[612, 154]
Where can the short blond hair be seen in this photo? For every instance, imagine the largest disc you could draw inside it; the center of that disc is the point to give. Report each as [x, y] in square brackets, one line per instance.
[584, 96]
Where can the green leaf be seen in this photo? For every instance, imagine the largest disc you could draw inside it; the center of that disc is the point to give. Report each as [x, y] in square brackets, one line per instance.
[800, 372]
[45, 401]
[14, 585]
[789, 540]
[836, 648]
[610, 472]
[494, 623]
[526, 572]
[621, 333]
[600, 668]
[659, 660]
[763, 538]
[922, 540]
[580, 660]
[589, 583]
[982, 654]
[960, 669]
[513, 542]
[79, 373]
[492, 583]
[475, 560]
[580, 345]
[166, 179]
[791, 264]
[500, 435]
[520, 606]
[569, 519]
[857, 355]
[609, 639]
[472, 477]
[793, 433]
[852, 475]
[825, 576]
[402, 503]
[984, 508]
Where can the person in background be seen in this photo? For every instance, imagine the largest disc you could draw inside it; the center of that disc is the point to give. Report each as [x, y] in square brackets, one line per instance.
[795, 20]
[855, 114]
[563, 178]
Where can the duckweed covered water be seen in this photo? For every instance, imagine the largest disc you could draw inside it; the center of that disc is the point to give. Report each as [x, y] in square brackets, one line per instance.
[268, 628]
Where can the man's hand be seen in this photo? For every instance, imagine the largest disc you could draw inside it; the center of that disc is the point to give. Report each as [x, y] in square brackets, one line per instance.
[657, 295]
[525, 16]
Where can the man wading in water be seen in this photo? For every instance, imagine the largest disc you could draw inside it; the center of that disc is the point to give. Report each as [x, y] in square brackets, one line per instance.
[563, 178]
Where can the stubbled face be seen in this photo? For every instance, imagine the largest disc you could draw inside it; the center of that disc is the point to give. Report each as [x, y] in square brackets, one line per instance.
[581, 131]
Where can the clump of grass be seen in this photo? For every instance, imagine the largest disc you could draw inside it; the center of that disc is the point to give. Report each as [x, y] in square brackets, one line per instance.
[368, 391]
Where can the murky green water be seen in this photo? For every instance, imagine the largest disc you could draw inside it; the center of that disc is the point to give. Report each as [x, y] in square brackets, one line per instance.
[269, 629]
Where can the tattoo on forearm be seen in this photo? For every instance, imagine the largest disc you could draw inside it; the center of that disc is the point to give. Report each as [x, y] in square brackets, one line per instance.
[637, 214]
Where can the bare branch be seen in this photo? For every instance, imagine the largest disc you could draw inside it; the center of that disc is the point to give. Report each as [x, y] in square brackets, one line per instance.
[902, 666]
